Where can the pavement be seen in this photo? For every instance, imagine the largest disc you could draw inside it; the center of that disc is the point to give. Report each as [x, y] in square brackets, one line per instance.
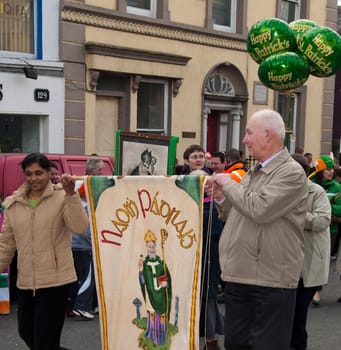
[324, 326]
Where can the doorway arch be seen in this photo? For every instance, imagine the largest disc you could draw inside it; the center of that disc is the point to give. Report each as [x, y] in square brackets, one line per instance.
[225, 97]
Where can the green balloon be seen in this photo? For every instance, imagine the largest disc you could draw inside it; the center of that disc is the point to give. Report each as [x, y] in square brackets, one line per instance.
[284, 71]
[300, 26]
[321, 47]
[270, 36]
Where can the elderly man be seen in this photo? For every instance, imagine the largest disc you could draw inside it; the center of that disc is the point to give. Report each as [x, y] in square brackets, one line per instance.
[94, 166]
[261, 247]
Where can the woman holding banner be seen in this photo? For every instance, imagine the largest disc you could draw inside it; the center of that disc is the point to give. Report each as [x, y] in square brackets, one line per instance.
[39, 219]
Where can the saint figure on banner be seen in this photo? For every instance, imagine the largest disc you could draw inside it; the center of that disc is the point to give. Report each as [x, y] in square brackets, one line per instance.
[156, 287]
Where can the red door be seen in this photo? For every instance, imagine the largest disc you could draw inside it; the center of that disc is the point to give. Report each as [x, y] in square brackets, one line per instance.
[212, 131]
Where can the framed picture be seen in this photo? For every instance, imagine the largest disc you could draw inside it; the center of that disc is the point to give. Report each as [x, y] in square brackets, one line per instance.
[144, 154]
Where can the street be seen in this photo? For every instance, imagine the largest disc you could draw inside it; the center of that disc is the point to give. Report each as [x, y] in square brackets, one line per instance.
[324, 326]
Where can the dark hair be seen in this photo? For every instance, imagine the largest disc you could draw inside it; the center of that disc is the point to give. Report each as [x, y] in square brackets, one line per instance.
[302, 161]
[191, 149]
[219, 155]
[299, 150]
[233, 155]
[337, 171]
[39, 158]
[53, 165]
[319, 177]
[179, 169]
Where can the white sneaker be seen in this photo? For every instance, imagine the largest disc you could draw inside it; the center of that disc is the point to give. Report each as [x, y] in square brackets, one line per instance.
[84, 314]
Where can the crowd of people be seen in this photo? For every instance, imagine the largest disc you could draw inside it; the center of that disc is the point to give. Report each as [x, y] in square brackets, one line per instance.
[270, 231]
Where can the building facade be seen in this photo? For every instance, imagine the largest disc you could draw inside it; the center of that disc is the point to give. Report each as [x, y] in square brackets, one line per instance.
[169, 67]
[31, 77]
[181, 68]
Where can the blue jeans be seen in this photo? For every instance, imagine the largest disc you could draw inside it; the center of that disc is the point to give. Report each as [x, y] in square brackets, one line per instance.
[82, 292]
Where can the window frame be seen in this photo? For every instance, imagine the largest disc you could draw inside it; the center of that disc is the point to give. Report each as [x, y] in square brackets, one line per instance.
[290, 124]
[298, 127]
[38, 132]
[303, 8]
[166, 102]
[240, 19]
[142, 12]
[297, 4]
[229, 29]
[37, 37]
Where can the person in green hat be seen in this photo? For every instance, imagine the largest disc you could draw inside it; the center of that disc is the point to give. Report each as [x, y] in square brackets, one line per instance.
[324, 176]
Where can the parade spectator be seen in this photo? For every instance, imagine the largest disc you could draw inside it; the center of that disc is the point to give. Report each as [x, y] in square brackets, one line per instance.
[261, 246]
[235, 167]
[324, 176]
[338, 221]
[309, 157]
[39, 219]
[94, 166]
[338, 174]
[217, 162]
[54, 172]
[315, 268]
[194, 159]
[82, 297]
[299, 150]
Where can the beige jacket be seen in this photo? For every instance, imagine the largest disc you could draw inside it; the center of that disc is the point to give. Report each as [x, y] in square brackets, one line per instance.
[316, 238]
[262, 241]
[42, 237]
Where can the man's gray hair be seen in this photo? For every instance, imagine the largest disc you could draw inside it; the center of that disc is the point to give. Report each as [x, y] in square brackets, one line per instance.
[91, 164]
[272, 120]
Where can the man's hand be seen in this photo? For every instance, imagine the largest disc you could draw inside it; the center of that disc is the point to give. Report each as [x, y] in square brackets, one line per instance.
[221, 179]
[214, 185]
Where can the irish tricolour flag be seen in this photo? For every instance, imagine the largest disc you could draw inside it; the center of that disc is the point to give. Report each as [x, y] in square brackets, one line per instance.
[4, 294]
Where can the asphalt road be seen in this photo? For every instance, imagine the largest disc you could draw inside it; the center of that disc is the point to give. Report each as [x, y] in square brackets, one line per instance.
[324, 326]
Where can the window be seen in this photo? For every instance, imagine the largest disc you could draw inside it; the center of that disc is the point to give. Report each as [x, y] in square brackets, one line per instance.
[20, 26]
[290, 10]
[19, 133]
[287, 107]
[224, 15]
[152, 106]
[142, 7]
[292, 107]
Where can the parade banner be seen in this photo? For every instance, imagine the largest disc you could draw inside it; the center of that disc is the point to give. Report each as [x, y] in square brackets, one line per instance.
[147, 237]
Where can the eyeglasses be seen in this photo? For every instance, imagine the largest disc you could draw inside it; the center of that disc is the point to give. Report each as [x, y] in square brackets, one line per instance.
[197, 156]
